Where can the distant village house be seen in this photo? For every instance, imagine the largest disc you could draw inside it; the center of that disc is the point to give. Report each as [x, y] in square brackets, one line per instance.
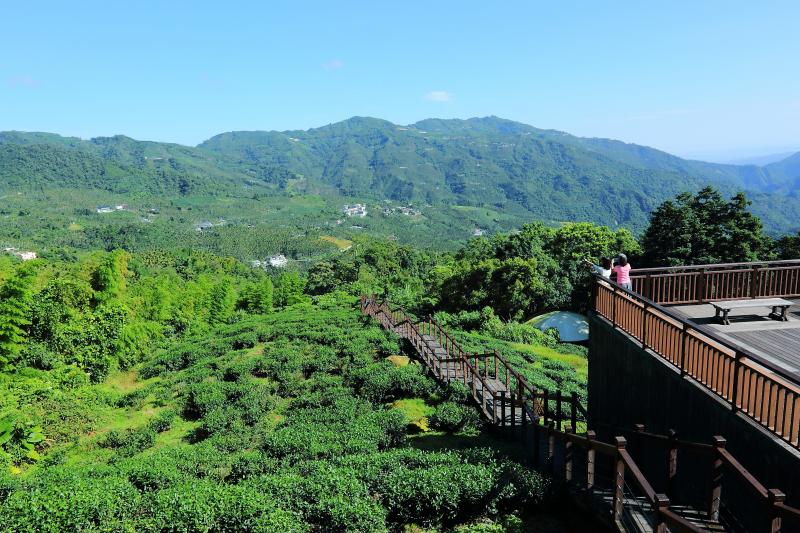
[356, 210]
[25, 256]
[278, 261]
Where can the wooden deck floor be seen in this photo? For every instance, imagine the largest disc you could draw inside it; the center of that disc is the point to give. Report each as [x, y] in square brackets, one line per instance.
[777, 342]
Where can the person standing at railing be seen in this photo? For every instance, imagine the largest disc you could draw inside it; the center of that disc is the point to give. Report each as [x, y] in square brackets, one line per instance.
[623, 271]
[603, 269]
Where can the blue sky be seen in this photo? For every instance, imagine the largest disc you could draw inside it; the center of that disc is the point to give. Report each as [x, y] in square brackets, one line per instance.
[705, 79]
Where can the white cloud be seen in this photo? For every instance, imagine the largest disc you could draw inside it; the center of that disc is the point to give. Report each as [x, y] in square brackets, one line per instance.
[438, 96]
[333, 64]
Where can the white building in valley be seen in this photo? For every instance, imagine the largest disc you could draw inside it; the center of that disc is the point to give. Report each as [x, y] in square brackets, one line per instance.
[278, 261]
[25, 256]
[355, 210]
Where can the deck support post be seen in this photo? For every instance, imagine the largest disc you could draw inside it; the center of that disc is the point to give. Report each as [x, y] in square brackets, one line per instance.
[644, 326]
[559, 416]
[660, 505]
[551, 448]
[503, 408]
[573, 414]
[614, 306]
[754, 282]
[735, 389]
[717, 467]
[684, 341]
[568, 455]
[774, 497]
[619, 479]
[701, 287]
[672, 462]
[590, 460]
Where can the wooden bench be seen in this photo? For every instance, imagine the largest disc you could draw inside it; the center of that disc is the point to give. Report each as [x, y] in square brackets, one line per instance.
[778, 305]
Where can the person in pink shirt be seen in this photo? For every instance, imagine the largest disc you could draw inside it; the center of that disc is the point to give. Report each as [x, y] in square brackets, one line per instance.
[622, 269]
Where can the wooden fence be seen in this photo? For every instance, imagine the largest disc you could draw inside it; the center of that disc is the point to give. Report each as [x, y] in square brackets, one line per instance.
[726, 281]
[774, 515]
[766, 393]
[553, 417]
[516, 404]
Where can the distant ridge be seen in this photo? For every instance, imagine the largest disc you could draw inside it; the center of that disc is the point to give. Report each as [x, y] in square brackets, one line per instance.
[506, 166]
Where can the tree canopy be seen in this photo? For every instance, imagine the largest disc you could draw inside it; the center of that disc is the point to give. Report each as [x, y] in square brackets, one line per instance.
[704, 228]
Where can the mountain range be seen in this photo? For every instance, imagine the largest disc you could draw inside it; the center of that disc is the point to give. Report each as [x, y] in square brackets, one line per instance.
[505, 166]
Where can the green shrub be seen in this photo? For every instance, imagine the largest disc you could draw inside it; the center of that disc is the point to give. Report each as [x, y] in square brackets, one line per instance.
[347, 427]
[524, 488]
[506, 524]
[38, 355]
[239, 369]
[449, 416]
[69, 377]
[250, 464]
[244, 340]
[138, 440]
[383, 382]
[437, 493]
[162, 421]
[203, 398]
[8, 483]
[71, 502]
[134, 398]
[148, 474]
[129, 442]
[329, 497]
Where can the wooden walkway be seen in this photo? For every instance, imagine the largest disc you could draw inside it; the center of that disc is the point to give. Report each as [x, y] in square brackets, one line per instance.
[776, 342]
[492, 395]
[602, 476]
[781, 346]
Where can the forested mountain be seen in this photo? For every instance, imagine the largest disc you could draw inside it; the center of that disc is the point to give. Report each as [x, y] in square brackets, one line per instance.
[447, 168]
[505, 165]
[115, 164]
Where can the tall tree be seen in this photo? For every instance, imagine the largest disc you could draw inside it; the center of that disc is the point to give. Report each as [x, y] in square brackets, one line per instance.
[257, 297]
[704, 228]
[109, 279]
[15, 307]
[221, 302]
[289, 289]
[788, 246]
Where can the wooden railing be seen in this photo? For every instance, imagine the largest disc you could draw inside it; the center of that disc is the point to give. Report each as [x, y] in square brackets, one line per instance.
[765, 392]
[721, 462]
[480, 372]
[725, 281]
[627, 482]
[543, 412]
[546, 413]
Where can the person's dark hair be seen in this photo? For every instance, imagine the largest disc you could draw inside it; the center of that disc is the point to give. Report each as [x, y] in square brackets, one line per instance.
[605, 262]
[622, 260]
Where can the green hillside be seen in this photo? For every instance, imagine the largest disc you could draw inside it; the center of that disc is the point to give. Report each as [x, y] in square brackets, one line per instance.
[114, 164]
[433, 184]
[491, 162]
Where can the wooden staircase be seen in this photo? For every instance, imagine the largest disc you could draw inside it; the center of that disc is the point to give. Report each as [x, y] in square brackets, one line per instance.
[601, 476]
